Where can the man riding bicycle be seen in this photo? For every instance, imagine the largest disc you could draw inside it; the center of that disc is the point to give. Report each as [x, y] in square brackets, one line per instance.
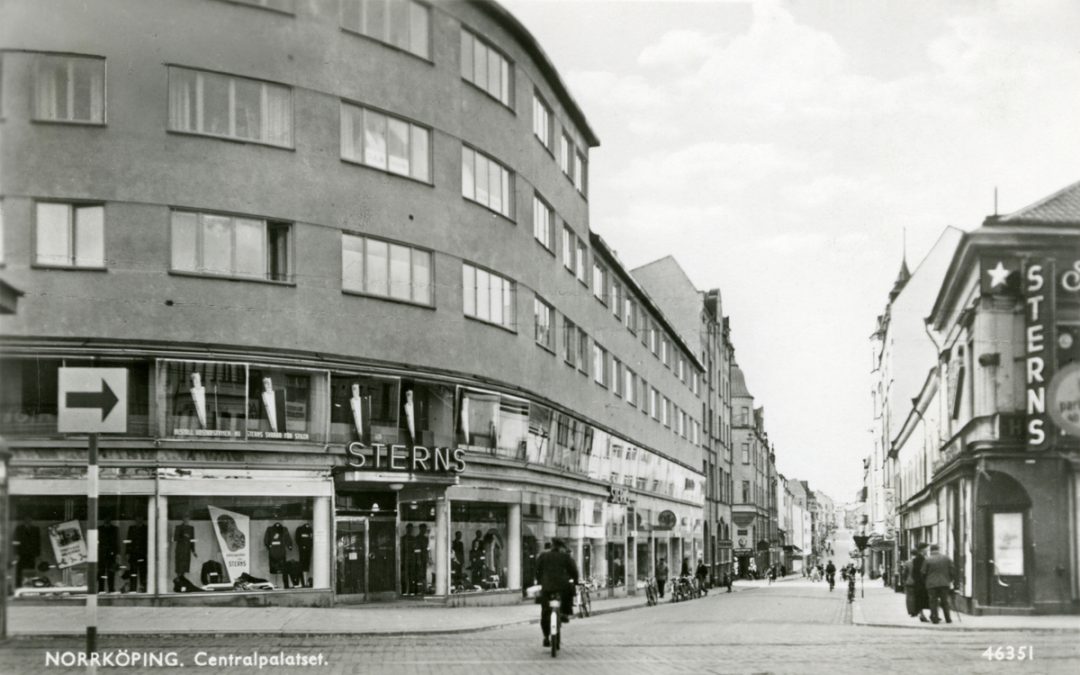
[557, 574]
[830, 574]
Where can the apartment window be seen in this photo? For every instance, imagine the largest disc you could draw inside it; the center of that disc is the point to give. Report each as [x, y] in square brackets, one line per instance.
[653, 342]
[616, 299]
[630, 315]
[630, 386]
[664, 350]
[488, 296]
[583, 351]
[614, 477]
[568, 248]
[745, 453]
[599, 280]
[628, 480]
[213, 104]
[233, 246]
[400, 23]
[665, 411]
[485, 181]
[543, 223]
[69, 89]
[644, 399]
[580, 172]
[541, 120]
[600, 365]
[616, 377]
[582, 260]
[653, 395]
[682, 423]
[746, 492]
[486, 67]
[376, 267]
[681, 368]
[570, 342]
[69, 235]
[543, 321]
[566, 154]
[642, 482]
[385, 142]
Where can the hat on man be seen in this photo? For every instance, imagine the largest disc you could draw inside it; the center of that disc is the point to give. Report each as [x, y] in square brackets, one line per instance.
[934, 548]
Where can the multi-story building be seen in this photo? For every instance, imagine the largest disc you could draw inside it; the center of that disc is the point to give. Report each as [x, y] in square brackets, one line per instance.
[989, 449]
[344, 257]
[753, 507]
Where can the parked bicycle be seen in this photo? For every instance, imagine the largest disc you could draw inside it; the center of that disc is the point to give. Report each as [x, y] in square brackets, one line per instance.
[652, 593]
[584, 601]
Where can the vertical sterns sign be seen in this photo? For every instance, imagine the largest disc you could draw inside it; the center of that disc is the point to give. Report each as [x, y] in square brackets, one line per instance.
[1038, 286]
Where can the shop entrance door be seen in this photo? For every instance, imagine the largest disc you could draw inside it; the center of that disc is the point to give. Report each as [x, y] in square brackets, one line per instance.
[351, 552]
[382, 554]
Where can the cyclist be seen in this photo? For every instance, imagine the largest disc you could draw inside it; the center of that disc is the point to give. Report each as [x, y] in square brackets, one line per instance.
[557, 573]
[830, 574]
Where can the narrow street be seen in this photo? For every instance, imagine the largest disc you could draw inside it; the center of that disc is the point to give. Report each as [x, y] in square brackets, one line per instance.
[789, 627]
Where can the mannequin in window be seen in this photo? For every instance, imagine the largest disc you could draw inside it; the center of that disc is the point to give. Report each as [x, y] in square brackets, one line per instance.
[108, 553]
[476, 558]
[458, 565]
[420, 561]
[356, 404]
[304, 540]
[27, 541]
[135, 546]
[198, 398]
[269, 403]
[408, 561]
[183, 546]
[410, 417]
[278, 543]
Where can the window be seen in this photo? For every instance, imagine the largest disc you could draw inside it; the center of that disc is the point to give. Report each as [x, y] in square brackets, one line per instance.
[69, 89]
[642, 482]
[746, 492]
[1, 233]
[653, 400]
[630, 386]
[213, 104]
[376, 267]
[401, 23]
[488, 296]
[543, 223]
[385, 142]
[617, 300]
[285, 6]
[582, 256]
[616, 377]
[645, 402]
[600, 365]
[681, 368]
[234, 246]
[599, 281]
[579, 172]
[664, 350]
[653, 342]
[745, 453]
[70, 235]
[630, 316]
[485, 67]
[568, 248]
[543, 320]
[570, 342]
[566, 154]
[485, 181]
[583, 351]
[541, 120]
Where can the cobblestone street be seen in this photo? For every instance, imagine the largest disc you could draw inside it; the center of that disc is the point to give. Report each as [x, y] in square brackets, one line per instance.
[790, 627]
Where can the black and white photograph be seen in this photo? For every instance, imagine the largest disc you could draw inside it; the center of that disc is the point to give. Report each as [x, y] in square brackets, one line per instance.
[520, 336]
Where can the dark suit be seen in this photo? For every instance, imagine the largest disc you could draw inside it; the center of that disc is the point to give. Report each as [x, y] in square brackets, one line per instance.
[938, 569]
[555, 570]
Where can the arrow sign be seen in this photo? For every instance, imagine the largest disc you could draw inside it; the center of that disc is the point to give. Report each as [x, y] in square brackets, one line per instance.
[92, 400]
[103, 400]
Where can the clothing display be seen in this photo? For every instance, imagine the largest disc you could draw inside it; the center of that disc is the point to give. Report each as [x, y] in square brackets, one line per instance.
[293, 575]
[181, 584]
[27, 540]
[108, 551]
[277, 542]
[304, 541]
[183, 547]
[136, 547]
[408, 564]
[211, 572]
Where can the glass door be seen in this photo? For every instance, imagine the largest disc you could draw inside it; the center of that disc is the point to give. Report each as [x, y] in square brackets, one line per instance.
[352, 555]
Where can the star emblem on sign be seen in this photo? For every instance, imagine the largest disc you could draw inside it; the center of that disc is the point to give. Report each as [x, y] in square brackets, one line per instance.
[998, 275]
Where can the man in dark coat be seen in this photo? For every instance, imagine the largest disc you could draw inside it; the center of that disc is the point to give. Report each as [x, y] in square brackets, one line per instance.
[661, 576]
[557, 573]
[939, 581]
[915, 584]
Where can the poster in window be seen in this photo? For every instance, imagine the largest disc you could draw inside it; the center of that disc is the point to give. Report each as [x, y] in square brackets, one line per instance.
[1009, 544]
[233, 536]
[68, 544]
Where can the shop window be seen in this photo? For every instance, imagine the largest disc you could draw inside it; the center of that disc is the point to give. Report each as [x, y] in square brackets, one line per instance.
[364, 409]
[426, 414]
[49, 545]
[246, 543]
[285, 404]
[416, 533]
[483, 528]
[493, 423]
[205, 399]
[539, 447]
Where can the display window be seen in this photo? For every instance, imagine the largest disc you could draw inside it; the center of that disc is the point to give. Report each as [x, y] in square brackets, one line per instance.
[364, 409]
[29, 396]
[416, 534]
[539, 446]
[224, 544]
[285, 404]
[426, 414]
[483, 529]
[204, 399]
[493, 423]
[49, 544]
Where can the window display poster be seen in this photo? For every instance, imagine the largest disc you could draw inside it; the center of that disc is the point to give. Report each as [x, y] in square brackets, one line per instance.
[1009, 544]
[234, 540]
[68, 544]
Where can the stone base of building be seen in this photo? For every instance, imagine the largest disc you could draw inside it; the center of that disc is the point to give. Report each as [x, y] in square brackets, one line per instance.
[281, 598]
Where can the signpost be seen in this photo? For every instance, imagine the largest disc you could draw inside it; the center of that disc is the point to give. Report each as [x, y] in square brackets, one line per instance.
[92, 401]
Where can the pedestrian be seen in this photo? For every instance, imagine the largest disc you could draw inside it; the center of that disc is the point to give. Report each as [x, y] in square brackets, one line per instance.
[701, 573]
[557, 574]
[915, 584]
[661, 576]
[939, 581]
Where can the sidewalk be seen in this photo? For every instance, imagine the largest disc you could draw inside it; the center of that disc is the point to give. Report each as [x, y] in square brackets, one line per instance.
[885, 607]
[374, 619]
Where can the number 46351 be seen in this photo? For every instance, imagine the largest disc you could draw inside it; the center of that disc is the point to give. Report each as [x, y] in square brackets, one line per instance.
[1010, 653]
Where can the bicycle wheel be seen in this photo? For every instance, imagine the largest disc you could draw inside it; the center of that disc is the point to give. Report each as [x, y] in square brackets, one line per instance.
[556, 634]
[586, 603]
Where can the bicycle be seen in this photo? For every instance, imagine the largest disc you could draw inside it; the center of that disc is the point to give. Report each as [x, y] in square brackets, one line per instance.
[651, 592]
[674, 590]
[851, 590]
[584, 601]
[556, 624]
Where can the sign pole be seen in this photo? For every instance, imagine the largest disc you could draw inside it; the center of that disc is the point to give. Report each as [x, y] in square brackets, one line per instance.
[92, 545]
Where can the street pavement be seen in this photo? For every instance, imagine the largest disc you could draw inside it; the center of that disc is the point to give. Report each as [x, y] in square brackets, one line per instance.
[787, 627]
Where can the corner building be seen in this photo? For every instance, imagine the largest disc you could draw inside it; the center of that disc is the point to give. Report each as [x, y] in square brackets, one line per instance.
[342, 250]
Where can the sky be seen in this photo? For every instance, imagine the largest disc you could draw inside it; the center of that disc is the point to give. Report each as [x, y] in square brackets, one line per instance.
[783, 152]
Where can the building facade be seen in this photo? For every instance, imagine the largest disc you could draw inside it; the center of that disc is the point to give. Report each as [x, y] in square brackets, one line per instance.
[372, 347]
